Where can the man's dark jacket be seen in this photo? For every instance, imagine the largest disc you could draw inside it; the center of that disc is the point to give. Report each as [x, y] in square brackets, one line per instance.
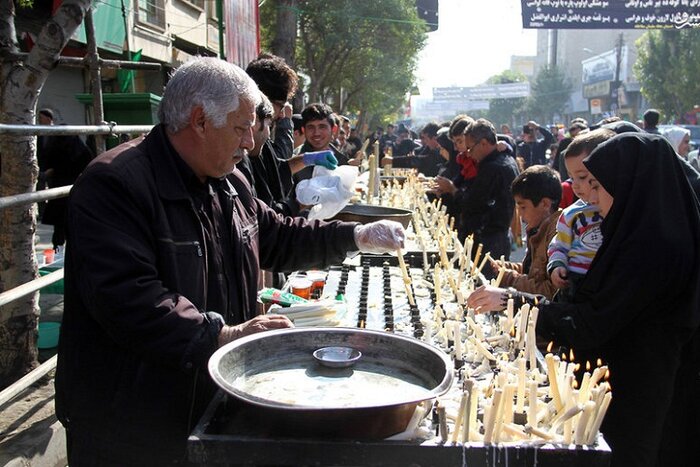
[486, 205]
[137, 331]
[535, 153]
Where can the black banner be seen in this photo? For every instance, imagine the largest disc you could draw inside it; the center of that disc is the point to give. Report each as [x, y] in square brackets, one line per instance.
[617, 14]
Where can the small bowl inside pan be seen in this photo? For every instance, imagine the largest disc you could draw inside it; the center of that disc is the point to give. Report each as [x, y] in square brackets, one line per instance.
[337, 357]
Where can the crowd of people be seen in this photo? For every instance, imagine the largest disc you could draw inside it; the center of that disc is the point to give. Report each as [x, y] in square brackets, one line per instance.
[169, 234]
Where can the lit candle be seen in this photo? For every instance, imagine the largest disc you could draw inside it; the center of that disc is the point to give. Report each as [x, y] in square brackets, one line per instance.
[522, 328]
[585, 388]
[551, 362]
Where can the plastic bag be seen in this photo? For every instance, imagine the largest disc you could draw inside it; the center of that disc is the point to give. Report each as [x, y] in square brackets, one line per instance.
[328, 191]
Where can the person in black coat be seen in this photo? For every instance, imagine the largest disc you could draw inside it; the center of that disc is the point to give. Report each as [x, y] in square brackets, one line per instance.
[66, 156]
[638, 307]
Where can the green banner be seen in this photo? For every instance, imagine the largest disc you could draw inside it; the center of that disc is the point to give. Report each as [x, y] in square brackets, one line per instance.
[109, 25]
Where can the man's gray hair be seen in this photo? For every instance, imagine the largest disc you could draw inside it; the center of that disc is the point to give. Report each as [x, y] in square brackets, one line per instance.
[215, 85]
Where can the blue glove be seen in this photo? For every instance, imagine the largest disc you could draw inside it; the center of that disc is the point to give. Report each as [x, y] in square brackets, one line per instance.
[322, 158]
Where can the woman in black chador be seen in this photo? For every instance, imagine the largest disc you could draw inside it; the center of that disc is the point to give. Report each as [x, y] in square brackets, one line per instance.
[639, 305]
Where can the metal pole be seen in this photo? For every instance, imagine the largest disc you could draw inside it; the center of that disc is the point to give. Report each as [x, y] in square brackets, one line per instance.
[95, 79]
[34, 197]
[220, 16]
[110, 128]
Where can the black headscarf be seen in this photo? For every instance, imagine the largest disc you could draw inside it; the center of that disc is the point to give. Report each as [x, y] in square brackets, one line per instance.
[648, 267]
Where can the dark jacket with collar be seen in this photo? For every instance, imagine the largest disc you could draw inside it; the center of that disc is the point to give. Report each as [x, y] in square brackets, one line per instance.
[535, 153]
[486, 205]
[137, 332]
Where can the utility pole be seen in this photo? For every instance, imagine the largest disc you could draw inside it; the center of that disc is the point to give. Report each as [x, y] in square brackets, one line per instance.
[615, 85]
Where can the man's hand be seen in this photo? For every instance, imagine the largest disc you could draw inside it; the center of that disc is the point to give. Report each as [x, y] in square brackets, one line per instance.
[380, 237]
[444, 185]
[323, 158]
[258, 324]
[488, 298]
[533, 125]
[286, 111]
[560, 277]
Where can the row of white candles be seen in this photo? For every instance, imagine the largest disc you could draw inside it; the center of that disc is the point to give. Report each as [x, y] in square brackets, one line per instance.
[571, 415]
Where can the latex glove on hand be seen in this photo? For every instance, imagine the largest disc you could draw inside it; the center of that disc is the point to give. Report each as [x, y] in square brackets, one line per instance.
[323, 158]
[380, 237]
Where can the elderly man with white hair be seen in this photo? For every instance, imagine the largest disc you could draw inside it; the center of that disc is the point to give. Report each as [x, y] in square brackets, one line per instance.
[166, 246]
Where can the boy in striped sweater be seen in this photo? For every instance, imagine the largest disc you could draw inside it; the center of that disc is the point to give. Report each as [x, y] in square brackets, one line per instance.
[578, 236]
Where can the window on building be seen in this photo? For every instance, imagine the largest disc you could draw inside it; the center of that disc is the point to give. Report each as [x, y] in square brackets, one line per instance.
[151, 12]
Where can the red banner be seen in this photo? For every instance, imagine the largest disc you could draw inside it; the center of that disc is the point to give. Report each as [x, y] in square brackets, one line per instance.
[242, 31]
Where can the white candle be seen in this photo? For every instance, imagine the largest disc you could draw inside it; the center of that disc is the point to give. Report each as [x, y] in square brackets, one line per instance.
[522, 328]
[580, 437]
[476, 259]
[600, 415]
[532, 404]
[520, 405]
[458, 343]
[493, 415]
[551, 362]
[438, 284]
[466, 416]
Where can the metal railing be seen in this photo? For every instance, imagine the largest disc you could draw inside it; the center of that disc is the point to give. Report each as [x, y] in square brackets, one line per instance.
[45, 195]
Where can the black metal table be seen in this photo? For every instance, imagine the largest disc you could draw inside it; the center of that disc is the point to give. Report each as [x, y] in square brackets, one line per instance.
[230, 434]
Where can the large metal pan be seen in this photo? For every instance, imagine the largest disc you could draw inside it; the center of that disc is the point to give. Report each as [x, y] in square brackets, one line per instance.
[276, 378]
[365, 213]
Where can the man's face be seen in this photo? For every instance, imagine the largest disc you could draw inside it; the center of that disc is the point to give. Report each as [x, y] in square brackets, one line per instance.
[475, 149]
[430, 141]
[390, 130]
[225, 146]
[318, 134]
[346, 127]
[530, 214]
[579, 175]
[260, 135]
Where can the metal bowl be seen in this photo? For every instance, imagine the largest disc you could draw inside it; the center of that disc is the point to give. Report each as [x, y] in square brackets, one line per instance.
[337, 357]
[275, 375]
[366, 213]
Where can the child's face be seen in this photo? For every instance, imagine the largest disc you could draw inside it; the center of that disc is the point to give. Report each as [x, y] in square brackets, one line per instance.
[459, 143]
[579, 175]
[600, 197]
[529, 213]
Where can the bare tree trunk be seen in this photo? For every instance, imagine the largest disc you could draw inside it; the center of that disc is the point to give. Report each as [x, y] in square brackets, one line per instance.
[20, 85]
[284, 42]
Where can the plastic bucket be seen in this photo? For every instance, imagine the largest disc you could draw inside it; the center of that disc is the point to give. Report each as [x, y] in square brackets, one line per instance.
[48, 335]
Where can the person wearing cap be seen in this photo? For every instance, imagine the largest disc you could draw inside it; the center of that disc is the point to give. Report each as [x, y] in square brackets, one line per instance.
[167, 242]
